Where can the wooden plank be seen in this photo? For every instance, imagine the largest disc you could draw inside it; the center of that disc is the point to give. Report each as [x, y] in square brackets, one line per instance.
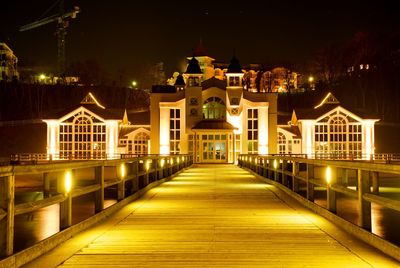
[85, 190]
[32, 206]
[383, 201]
[214, 216]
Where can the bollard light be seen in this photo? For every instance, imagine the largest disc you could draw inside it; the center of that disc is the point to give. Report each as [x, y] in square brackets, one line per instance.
[148, 164]
[275, 164]
[178, 160]
[122, 171]
[68, 181]
[172, 161]
[328, 175]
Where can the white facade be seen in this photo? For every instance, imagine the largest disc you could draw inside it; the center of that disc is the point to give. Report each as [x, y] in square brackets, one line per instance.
[330, 131]
[90, 131]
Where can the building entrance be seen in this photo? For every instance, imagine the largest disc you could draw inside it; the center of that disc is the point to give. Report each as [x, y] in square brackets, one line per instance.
[214, 148]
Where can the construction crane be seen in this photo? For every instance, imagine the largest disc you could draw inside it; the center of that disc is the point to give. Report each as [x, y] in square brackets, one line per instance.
[62, 20]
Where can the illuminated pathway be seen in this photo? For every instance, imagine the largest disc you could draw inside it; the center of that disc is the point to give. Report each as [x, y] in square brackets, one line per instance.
[216, 216]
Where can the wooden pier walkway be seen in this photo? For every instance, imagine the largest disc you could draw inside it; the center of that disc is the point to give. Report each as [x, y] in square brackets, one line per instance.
[214, 216]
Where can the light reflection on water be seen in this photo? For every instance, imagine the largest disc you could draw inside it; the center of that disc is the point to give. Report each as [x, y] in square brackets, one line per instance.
[31, 228]
[384, 221]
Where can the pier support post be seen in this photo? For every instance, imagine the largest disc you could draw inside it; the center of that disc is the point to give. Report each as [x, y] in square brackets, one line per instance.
[99, 194]
[295, 172]
[375, 182]
[46, 184]
[310, 186]
[7, 191]
[364, 207]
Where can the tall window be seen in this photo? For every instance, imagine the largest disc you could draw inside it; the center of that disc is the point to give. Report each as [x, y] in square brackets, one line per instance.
[193, 81]
[82, 137]
[281, 143]
[338, 136]
[140, 144]
[234, 81]
[252, 131]
[214, 108]
[174, 130]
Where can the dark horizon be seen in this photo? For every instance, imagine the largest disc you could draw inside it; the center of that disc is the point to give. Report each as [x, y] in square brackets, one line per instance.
[124, 37]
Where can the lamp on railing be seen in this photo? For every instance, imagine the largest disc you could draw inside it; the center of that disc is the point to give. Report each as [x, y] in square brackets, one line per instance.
[328, 175]
[68, 181]
[275, 164]
[122, 171]
[162, 162]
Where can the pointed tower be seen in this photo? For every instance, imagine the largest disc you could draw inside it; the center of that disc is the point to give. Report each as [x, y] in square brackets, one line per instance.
[193, 73]
[234, 73]
[205, 61]
[179, 83]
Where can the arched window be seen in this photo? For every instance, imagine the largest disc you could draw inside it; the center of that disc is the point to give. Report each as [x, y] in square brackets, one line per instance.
[214, 108]
[140, 144]
[338, 136]
[82, 126]
[82, 137]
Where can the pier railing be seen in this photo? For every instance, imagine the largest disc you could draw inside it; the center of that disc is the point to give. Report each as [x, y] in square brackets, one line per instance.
[302, 175]
[60, 186]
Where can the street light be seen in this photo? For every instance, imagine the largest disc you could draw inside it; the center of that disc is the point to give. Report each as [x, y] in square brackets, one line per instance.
[134, 84]
[311, 81]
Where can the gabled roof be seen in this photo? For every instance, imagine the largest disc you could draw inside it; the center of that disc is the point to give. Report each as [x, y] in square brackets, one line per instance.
[328, 104]
[214, 124]
[214, 82]
[90, 99]
[106, 114]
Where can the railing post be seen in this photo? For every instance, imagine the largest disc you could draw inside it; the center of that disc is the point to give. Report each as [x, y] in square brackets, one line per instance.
[295, 172]
[310, 186]
[331, 194]
[345, 177]
[46, 184]
[364, 207]
[275, 164]
[265, 170]
[7, 193]
[99, 194]
[375, 182]
[66, 205]
[135, 180]
[284, 176]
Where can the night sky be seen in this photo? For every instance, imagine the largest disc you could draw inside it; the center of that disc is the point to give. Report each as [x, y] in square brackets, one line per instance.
[126, 35]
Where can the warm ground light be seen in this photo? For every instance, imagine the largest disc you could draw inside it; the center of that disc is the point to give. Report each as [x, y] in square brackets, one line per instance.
[214, 216]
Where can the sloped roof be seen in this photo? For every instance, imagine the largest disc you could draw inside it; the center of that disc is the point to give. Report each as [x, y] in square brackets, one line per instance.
[179, 81]
[139, 118]
[193, 67]
[214, 82]
[292, 129]
[110, 114]
[214, 124]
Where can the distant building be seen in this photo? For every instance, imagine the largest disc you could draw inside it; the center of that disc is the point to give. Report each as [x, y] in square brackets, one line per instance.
[213, 119]
[329, 131]
[8, 63]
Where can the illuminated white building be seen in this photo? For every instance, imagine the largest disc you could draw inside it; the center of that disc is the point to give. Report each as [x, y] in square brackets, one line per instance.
[328, 131]
[8, 63]
[90, 131]
[213, 119]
